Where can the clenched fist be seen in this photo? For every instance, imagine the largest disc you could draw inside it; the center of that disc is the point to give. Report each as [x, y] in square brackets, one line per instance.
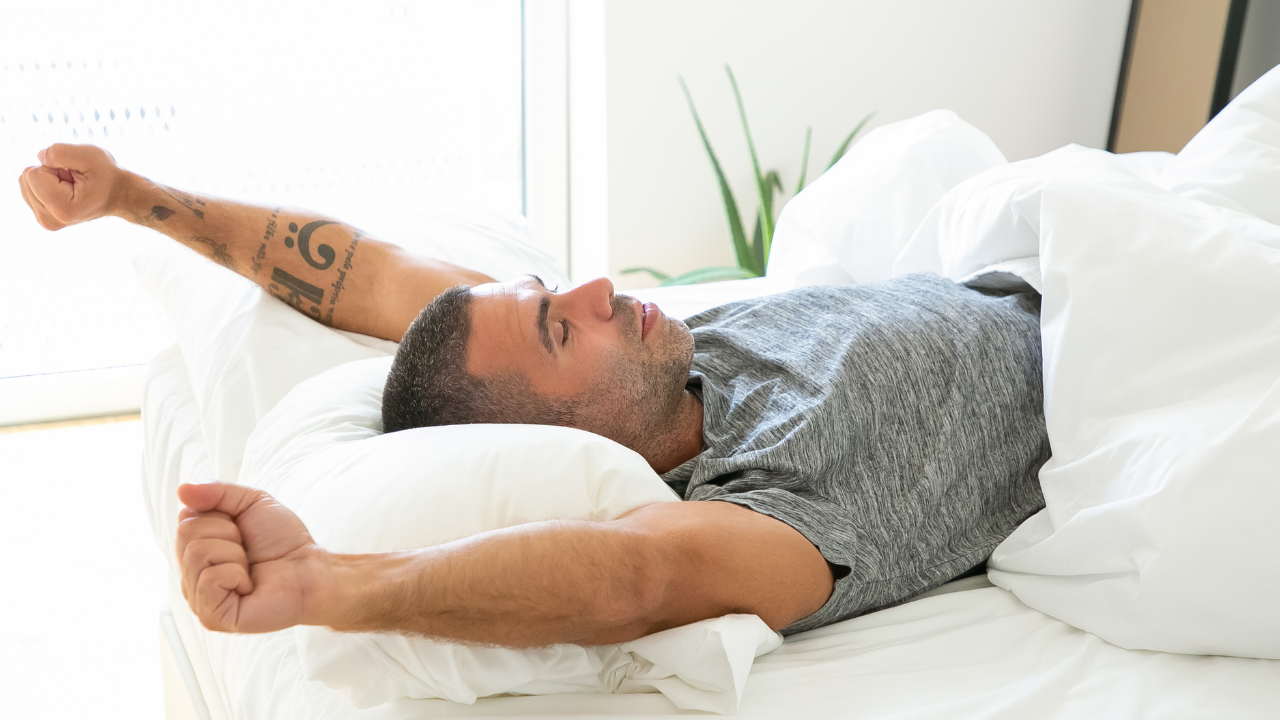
[72, 184]
[248, 563]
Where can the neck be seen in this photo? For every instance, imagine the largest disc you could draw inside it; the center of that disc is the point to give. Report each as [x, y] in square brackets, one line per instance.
[683, 441]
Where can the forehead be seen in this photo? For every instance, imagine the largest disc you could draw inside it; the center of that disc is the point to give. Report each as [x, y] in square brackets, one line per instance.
[504, 326]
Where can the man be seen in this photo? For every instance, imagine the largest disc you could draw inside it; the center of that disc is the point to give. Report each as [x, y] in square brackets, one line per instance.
[862, 444]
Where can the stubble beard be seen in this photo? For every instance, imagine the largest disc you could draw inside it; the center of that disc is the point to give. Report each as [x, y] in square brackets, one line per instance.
[640, 398]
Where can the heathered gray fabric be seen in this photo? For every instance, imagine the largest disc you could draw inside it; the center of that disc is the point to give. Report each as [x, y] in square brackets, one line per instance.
[898, 426]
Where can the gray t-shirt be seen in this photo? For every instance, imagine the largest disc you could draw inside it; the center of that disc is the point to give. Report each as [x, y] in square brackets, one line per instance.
[898, 426]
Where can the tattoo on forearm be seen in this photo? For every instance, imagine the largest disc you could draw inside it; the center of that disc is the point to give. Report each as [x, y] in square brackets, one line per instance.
[342, 277]
[325, 252]
[161, 213]
[190, 202]
[216, 251]
[298, 293]
[266, 235]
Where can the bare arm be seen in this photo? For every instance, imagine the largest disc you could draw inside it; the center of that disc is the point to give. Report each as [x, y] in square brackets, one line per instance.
[323, 268]
[249, 565]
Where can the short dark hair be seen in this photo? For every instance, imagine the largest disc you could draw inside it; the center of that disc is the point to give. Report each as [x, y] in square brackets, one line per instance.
[429, 383]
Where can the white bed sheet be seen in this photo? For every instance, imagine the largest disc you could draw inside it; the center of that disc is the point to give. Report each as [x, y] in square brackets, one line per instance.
[967, 650]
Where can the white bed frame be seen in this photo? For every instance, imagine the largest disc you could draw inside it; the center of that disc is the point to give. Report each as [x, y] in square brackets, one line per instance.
[182, 697]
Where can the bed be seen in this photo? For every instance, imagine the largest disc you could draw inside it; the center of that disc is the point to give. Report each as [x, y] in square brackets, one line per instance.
[1008, 644]
[968, 649]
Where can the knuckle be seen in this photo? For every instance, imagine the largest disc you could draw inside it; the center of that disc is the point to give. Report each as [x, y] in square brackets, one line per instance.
[190, 557]
[198, 554]
[207, 617]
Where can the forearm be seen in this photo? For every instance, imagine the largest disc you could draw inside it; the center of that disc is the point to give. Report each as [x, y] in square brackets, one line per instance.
[539, 584]
[325, 269]
[249, 565]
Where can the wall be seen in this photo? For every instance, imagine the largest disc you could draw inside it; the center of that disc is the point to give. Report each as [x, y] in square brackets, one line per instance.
[1260, 45]
[1035, 76]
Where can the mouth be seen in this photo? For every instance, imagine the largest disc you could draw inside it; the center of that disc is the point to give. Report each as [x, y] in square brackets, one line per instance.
[649, 314]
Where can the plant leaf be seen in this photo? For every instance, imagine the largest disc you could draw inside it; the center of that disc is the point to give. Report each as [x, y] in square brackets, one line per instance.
[711, 274]
[740, 249]
[772, 183]
[775, 184]
[844, 146]
[757, 244]
[657, 274]
[765, 210]
[804, 161]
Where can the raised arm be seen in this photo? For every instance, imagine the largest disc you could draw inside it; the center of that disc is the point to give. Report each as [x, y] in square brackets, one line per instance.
[323, 268]
[249, 565]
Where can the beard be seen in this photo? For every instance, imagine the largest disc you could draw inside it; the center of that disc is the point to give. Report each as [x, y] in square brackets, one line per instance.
[636, 399]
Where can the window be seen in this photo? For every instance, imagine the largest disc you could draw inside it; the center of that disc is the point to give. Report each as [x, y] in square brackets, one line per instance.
[341, 108]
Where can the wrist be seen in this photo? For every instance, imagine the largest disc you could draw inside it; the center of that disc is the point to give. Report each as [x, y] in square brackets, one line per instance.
[323, 592]
[347, 592]
[126, 197]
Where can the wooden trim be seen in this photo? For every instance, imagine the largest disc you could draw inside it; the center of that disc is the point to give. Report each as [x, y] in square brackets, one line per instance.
[78, 422]
[1135, 9]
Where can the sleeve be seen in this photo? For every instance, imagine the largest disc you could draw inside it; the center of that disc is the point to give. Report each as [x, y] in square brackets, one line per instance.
[831, 529]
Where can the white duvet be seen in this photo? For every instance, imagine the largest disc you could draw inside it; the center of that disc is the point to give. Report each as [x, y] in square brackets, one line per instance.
[1161, 333]
[1161, 327]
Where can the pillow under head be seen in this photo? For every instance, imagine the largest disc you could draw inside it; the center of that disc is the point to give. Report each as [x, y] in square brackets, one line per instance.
[321, 452]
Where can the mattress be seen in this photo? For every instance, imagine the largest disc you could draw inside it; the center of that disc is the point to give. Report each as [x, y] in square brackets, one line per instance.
[968, 649]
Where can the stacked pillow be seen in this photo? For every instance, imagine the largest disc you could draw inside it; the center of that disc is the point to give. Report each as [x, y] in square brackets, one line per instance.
[851, 223]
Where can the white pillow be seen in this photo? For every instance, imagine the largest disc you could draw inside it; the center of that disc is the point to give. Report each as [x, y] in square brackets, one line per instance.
[1234, 161]
[852, 222]
[320, 452]
[244, 349]
[989, 223]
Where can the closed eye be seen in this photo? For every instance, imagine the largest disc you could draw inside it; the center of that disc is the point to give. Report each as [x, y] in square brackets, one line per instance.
[564, 335]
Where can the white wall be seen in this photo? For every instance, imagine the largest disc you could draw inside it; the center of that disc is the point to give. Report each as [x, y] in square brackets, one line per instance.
[1034, 76]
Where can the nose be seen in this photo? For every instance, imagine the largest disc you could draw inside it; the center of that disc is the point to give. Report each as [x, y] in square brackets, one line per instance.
[594, 299]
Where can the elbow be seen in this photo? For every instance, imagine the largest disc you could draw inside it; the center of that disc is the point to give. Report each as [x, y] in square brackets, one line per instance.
[634, 604]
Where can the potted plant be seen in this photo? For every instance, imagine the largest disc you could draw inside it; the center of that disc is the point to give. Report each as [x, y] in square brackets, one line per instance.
[752, 256]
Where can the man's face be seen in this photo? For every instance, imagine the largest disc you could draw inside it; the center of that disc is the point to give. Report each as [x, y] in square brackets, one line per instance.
[624, 360]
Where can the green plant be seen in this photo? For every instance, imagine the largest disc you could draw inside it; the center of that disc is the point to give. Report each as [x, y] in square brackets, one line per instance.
[753, 256]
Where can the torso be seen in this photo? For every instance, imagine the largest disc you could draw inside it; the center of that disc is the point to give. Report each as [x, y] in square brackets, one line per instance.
[899, 426]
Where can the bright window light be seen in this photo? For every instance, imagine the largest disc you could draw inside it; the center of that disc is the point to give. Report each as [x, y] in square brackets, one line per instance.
[344, 108]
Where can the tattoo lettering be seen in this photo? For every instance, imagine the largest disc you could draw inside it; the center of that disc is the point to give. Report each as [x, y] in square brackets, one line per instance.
[299, 294]
[351, 250]
[342, 274]
[266, 235]
[190, 202]
[342, 278]
[325, 252]
[216, 251]
[161, 213]
[337, 287]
